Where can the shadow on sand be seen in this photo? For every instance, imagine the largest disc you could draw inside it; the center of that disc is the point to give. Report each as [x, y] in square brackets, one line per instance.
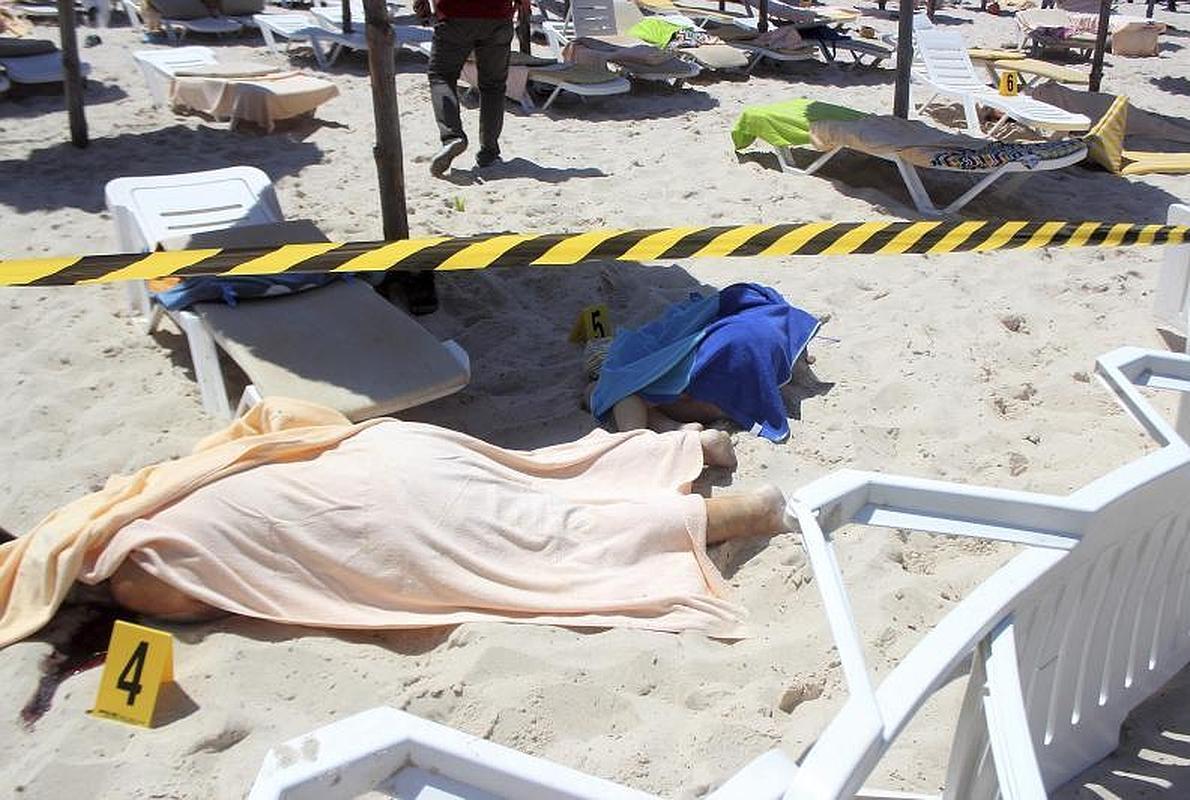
[177, 148]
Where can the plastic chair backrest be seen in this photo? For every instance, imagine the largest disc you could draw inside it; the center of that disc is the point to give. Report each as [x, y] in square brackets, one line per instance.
[944, 54]
[1101, 631]
[177, 58]
[593, 17]
[151, 209]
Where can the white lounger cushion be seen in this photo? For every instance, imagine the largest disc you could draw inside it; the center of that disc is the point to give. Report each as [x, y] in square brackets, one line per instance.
[341, 345]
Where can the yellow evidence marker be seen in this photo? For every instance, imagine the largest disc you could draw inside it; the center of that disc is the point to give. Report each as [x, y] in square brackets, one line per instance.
[1010, 83]
[139, 660]
[594, 322]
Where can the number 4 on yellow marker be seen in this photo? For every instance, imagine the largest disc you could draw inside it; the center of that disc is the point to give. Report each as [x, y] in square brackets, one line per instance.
[139, 661]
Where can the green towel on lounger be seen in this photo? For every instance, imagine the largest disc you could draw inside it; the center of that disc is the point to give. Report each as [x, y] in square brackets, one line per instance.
[786, 124]
[655, 31]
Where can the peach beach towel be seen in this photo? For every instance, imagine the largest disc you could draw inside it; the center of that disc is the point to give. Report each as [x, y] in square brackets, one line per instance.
[38, 569]
[599, 532]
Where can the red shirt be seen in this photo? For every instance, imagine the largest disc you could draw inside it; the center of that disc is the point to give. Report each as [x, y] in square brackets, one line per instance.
[476, 9]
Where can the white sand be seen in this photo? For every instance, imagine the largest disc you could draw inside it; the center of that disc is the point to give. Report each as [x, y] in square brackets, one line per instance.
[971, 368]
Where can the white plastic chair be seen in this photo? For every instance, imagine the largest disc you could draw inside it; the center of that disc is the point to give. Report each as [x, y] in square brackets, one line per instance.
[293, 28]
[330, 31]
[1064, 641]
[159, 67]
[1171, 301]
[405, 365]
[950, 73]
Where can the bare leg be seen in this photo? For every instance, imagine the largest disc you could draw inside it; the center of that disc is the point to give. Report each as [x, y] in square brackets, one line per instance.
[138, 591]
[717, 449]
[662, 423]
[688, 410]
[631, 414]
[758, 513]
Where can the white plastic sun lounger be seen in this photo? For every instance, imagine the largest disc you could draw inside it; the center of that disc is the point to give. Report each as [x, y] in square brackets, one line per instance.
[949, 73]
[293, 28]
[596, 18]
[916, 188]
[159, 66]
[330, 19]
[368, 358]
[1063, 641]
[176, 29]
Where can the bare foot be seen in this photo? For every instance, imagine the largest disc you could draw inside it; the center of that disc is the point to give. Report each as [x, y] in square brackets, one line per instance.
[717, 449]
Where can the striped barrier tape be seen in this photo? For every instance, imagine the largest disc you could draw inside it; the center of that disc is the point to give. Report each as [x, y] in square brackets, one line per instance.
[560, 249]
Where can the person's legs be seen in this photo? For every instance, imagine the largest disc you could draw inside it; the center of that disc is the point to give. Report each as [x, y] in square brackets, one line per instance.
[453, 42]
[758, 513]
[492, 52]
[138, 591]
[689, 410]
[631, 414]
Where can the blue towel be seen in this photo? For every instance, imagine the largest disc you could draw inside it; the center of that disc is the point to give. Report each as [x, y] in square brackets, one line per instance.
[231, 290]
[734, 350]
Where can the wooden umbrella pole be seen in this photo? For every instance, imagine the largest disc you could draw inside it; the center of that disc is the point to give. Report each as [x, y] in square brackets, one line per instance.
[1100, 45]
[347, 27]
[762, 24]
[904, 59]
[72, 74]
[389, 158]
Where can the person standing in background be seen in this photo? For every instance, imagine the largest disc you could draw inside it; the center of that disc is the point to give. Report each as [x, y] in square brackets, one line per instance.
[461, 27]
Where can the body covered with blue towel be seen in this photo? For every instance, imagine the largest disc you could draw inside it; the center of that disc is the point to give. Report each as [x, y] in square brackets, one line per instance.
[733, 350]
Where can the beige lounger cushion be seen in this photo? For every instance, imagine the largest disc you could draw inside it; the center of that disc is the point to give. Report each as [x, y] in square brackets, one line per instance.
[241, 8]
[925, 146]
[180, 9]
[576, 74]
[341, 345]
[262, 100]
[229, 70]
[717, 56]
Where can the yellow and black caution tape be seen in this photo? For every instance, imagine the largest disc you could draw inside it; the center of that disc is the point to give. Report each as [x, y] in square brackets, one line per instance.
[560, 249]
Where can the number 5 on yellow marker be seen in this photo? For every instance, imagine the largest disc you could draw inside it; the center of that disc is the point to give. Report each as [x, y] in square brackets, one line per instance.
[139, 660]
[594, 322]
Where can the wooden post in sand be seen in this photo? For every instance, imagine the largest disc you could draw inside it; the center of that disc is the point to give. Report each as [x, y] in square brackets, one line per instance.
[347, 16]
[904, 59]
[389, 166]
[72, 78]
[1100, 45]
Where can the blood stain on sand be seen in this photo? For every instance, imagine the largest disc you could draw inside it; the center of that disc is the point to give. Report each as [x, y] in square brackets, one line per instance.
[83, 649]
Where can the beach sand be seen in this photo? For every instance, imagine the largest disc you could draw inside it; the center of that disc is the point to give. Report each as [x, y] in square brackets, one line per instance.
[974, 368]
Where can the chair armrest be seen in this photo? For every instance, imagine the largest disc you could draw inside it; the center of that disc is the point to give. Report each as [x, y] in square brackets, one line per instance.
[954, 509]
[854, 741]
[1125, 368]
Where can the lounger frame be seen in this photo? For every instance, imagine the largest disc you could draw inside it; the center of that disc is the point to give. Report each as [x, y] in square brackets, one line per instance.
[913, 183]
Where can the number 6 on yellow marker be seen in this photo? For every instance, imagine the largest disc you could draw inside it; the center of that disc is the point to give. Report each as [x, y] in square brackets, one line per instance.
[1010, 83]
[139, 660]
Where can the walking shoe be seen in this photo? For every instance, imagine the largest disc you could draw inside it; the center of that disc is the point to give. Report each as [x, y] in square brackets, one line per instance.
[486, 158]
[440, 163]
